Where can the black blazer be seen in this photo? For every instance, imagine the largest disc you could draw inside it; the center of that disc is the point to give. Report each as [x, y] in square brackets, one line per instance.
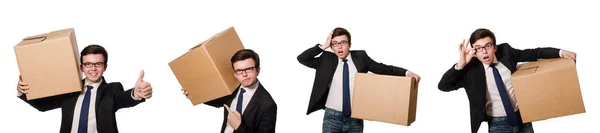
[326, 65]
[110, 97]
[472, 76]
[259, 116]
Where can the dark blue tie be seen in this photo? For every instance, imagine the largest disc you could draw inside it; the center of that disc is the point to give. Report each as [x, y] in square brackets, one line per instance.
[240, 100]
[85, 109]
[346, 86]
[508, 108]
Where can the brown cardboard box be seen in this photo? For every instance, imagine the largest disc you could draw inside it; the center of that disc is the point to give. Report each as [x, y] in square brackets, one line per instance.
[205, 71]
[391, 99]
[49, 63]
[546, 89]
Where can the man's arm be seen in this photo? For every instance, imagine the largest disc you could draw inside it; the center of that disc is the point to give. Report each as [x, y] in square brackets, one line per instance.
[453, 79]
[534, 54]
[380, 68]
[123, 99]
[45, 104]
[307, 58]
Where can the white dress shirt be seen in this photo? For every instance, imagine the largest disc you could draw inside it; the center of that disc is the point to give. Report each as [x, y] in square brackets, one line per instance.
[493, 105]
[247, 96]
[335, 96]
[92, 109]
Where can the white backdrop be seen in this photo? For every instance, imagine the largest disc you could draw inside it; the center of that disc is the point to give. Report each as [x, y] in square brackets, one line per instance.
[422, 37]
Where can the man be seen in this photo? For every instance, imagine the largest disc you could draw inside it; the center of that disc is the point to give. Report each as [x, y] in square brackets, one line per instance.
[93, 109]
[487, 82]
[253, 110]
[332, 88]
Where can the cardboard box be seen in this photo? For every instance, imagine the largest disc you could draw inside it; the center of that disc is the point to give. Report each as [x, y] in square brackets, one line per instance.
[546, 89]
[391, 99]
[205, 71]
[49, 63]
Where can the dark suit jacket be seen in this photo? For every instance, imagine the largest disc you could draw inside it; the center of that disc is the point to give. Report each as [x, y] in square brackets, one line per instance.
[326, 65]
[259, 116]
[109, 98]
[472, 77]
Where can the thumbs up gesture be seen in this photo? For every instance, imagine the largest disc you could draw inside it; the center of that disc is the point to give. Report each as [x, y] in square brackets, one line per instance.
[142, 88]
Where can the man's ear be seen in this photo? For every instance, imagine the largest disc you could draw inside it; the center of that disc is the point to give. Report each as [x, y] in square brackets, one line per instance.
[257, 70]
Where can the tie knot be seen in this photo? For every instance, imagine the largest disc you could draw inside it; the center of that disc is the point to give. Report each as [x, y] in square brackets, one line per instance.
[89, 87]
[345, 60]
[242, 90]
[493, 64]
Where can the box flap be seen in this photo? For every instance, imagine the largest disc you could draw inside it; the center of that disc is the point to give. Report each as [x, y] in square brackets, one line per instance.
[210, 39]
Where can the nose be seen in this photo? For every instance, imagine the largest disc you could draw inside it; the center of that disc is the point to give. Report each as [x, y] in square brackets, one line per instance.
[244, 74]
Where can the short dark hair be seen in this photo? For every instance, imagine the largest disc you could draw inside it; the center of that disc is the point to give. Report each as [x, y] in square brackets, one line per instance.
[482, 33]
[339, 31]
[245, 54]
[94, 49]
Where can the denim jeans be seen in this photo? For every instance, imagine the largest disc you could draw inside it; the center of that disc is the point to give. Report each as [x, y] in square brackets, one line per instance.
[500, 125]
[335, 122]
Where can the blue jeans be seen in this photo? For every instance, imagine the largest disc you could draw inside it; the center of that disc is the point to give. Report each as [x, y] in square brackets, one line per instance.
[500, 125]
[335, 122]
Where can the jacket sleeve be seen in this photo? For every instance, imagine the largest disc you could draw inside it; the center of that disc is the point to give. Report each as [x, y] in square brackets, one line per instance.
[380, 68]
[123, 99]
[534, 54]
[220, 101]
[454, 79]
[307, 58]
[45, 104]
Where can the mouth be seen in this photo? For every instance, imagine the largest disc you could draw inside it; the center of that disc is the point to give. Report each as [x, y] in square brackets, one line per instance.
[92, 74]
[340, 52]
[486, 57]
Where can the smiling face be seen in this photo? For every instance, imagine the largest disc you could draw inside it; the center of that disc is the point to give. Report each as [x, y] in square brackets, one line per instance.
[340, 46]
[91, 67]
[485, 50]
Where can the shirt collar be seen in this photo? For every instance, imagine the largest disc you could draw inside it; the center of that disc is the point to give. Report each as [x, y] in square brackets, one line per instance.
[251, 88]
[349, 58]
[95, 85]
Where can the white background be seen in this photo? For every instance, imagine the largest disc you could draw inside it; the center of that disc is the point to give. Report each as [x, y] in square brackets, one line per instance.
[422, 37]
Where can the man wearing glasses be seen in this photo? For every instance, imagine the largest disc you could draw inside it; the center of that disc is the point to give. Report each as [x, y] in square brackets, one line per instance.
[93, 109]
[487, 82]
[332, 88]
[252, 107]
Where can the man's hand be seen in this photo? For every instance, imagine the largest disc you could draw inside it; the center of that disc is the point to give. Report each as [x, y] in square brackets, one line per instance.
[569, 55]
[22, 86]
[234, 118]
[142, 88]
[185, 93]
[414, 75]
[466, 53]
[328, 43]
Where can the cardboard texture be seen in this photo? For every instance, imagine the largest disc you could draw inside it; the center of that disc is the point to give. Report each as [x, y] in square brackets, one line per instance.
[205, 71]
[546, 89]
[49, 63]
[391, 99]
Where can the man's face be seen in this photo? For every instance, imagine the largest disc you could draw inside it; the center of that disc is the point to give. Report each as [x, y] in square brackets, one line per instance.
[246, 72]
[340, 46]
[93, 67]
[485, 50]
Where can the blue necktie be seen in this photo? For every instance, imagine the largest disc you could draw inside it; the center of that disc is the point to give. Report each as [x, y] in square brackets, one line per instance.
[85, 109]
[240, 100]
[346, 90]
[508, 108]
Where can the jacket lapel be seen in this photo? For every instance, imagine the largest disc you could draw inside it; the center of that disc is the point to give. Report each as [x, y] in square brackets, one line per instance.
[103, 86]
[357, 62]
[255, 100]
